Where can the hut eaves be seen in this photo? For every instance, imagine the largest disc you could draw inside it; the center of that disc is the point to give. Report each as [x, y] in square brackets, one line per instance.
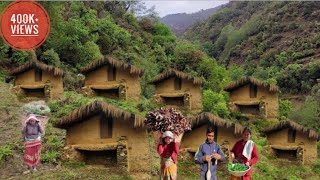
[172, 72]
[246, 80]
[108, 60]
[291, 124]
[95, 107]
[36, 64]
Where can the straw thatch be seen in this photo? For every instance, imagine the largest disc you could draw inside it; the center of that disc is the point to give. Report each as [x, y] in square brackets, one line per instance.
[94, 108]
[246, 80]
[108, 60]
[290, 124]
[36, 64]
[171, 72]
[206, 117]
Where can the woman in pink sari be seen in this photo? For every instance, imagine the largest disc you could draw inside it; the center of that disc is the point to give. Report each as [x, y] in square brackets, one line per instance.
[32, 132]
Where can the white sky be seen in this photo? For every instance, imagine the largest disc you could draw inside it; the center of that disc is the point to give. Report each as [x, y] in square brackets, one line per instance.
[165, 7]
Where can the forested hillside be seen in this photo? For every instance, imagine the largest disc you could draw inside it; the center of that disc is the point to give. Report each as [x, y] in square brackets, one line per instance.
[274, 41]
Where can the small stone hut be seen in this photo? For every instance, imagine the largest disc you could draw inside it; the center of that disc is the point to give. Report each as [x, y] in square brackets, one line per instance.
[227, 133]
[178, 89]
[101, 134]
[113, 79]
[250, 96]
[36, 79]
[292, 141]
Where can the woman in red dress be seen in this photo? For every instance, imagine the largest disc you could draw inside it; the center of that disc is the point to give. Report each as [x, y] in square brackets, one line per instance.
[245, 151]
[168, 150]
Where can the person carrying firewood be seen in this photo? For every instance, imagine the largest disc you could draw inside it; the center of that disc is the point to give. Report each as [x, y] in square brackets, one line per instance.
[208, 155]
[168, 150]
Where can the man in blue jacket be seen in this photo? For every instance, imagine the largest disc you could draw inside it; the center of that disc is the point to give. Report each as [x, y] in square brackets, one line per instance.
[210, 152]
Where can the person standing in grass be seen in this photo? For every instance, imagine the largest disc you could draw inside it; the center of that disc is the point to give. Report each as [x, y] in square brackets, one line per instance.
[168, 150]
[208, 155]
[32, 132]
[245, 151]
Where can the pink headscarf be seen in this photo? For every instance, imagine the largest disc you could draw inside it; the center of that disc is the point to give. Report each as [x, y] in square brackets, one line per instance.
[31, 116]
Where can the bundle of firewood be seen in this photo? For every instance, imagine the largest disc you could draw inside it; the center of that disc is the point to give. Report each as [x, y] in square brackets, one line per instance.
[167, 119]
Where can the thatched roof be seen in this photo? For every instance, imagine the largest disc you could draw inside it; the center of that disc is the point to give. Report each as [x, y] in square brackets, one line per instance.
[246, 80]
[172, 72]
[94, 108]
[207, 117]
[290, 124]
[108, 60]
[36, 64]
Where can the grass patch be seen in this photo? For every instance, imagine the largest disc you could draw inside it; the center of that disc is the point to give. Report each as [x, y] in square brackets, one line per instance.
[5, 151]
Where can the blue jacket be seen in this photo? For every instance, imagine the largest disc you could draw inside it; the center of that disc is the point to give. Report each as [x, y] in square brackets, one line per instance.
[208, 149]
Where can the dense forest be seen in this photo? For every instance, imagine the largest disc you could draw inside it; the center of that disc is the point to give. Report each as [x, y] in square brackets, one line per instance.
[277, 42]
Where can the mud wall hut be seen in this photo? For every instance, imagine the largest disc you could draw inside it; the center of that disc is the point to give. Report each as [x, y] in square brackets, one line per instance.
[113, 79]
[99, 133]
[178, 89]
[37, 79]
[251, 96]
[291, 140]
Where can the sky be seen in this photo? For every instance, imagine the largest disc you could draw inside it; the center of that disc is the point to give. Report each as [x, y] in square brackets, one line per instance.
[165, 7]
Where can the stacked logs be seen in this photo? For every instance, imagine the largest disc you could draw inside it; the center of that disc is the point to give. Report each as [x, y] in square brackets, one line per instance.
[167, 119]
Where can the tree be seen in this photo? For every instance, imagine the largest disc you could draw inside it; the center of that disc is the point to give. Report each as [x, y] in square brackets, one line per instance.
[215, 103]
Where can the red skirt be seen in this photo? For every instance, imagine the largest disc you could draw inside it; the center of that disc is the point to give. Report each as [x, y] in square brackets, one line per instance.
[32, 154]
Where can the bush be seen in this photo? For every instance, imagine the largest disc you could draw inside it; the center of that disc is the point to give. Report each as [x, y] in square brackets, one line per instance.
[50, 57]
[50, 157]
[285, 107]
[215, 103]
[5, 151]
[54, 142]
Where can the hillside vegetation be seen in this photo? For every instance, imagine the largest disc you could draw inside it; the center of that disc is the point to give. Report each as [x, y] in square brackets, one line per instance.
[274, 41]
[82, 32]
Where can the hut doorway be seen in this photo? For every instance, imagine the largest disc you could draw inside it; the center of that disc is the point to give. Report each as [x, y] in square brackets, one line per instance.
[37, 92]
[175, 101]
[109, 93]
[290, 154]
[249, 109]
[105, 157]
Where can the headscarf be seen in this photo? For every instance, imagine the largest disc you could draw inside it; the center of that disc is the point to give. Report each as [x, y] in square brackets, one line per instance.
[168, 134]
[32, 116]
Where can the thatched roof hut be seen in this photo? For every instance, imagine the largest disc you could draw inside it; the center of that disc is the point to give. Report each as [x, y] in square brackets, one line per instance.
[108, 60]
[292, 141]
[179, 89]
[36, 79]
[99, 133]
[251, 96]
[112, 78]
[93, 108]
